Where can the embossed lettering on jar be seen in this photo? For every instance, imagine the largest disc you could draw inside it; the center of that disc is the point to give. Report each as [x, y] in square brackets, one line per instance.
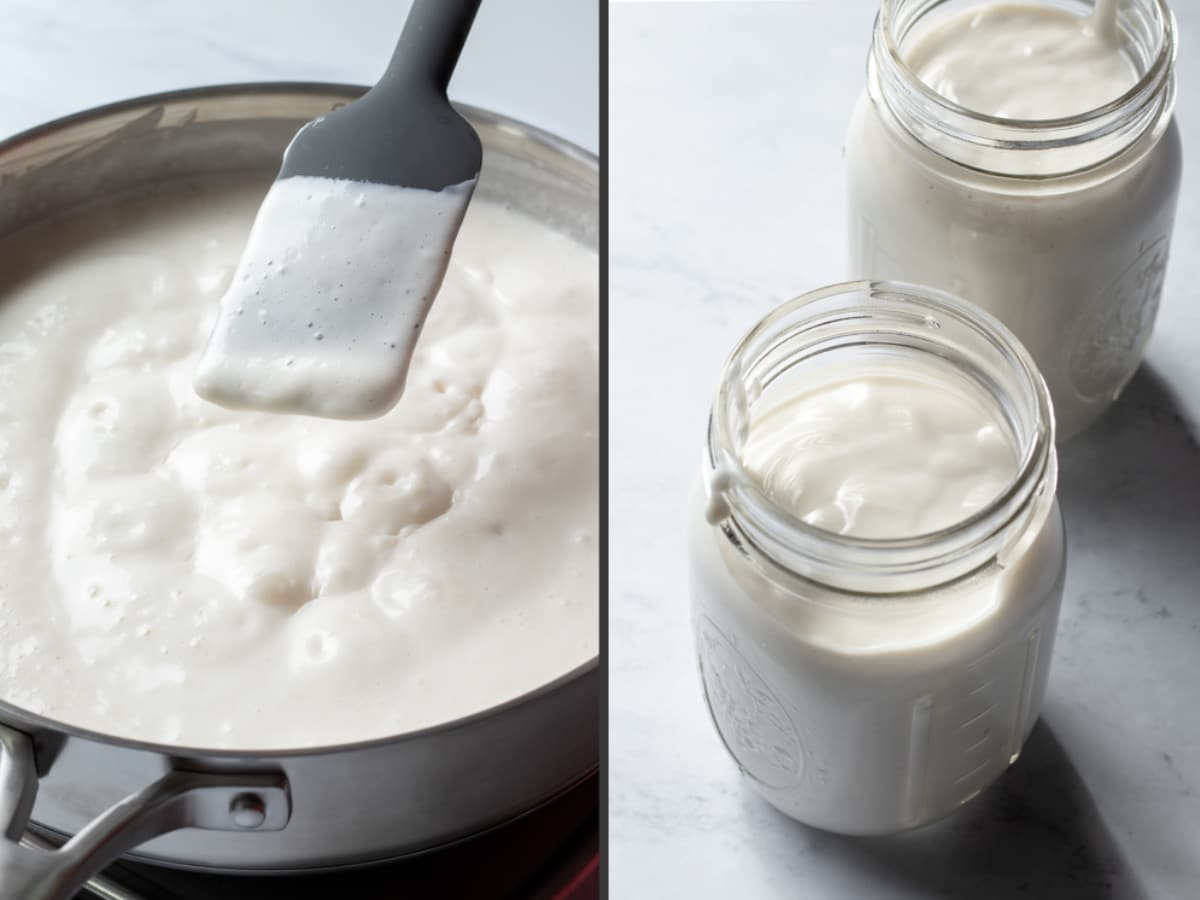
[876, 555]
[1024, 156]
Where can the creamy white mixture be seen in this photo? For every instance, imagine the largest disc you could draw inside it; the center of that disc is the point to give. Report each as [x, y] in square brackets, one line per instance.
[1073, 264]
[176, 571]
[870, 714]
[1019, 61]
[328, 301]
[880, 457]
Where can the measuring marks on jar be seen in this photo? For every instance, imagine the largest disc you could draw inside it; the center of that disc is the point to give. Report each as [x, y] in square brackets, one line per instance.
[967, 732]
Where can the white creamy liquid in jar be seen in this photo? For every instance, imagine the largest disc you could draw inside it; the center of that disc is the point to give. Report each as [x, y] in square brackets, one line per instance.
[176, 571]
[328, 300]
[1072, 262]
[871, 713]
[1019, 61]
[881, 457]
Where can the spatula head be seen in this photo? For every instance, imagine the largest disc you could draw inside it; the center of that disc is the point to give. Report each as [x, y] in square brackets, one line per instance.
[391, 135]
[403, 131]
[325, 309]
[353, 240]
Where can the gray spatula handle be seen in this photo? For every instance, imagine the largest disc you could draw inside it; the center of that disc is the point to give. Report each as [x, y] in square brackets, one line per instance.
[430, 44]
[404, 130]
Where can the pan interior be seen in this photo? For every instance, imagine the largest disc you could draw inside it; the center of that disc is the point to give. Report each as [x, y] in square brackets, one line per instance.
[87, 181]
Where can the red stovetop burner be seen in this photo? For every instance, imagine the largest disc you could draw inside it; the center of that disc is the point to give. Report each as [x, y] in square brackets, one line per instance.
[550, 854]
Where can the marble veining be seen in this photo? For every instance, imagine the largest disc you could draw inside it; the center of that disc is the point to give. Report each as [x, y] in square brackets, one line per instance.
[727, 191]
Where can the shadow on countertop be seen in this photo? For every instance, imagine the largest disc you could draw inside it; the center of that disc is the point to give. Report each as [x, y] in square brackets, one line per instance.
[1035, 835]
[1130, 491]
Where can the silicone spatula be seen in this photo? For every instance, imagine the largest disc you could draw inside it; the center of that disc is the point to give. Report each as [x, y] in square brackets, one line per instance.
[324, 322]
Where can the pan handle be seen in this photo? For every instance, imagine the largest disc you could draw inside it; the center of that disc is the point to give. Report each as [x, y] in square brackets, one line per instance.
[180, 799]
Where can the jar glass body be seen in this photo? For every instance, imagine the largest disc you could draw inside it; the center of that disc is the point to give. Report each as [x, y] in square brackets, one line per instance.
[1071, 258]
[857, 708]
[862, 742]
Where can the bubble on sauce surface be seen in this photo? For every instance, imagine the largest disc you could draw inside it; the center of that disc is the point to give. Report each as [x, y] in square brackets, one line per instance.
[405, 596]
[117, 424]
[394, 492]
[430, 404]
[313, 647]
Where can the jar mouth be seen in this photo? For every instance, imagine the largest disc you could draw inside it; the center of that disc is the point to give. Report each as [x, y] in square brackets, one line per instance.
[994, 143]
[914, 319]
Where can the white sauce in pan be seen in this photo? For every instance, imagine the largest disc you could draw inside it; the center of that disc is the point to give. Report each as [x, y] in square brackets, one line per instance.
[175, 571]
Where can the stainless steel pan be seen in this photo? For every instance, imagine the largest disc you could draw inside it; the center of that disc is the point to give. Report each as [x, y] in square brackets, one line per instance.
[340, 804]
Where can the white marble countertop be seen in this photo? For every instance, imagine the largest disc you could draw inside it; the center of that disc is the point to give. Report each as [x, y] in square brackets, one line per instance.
[726, 192]
[534, 60]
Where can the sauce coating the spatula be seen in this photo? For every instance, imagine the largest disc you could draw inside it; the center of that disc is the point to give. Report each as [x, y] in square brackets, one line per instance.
[328, 301]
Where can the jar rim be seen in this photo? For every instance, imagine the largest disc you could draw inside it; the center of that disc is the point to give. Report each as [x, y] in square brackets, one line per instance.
[977, 537]
[1147, 101]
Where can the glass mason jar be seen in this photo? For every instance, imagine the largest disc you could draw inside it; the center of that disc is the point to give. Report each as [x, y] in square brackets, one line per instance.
[866, 686]
[1059, 227]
